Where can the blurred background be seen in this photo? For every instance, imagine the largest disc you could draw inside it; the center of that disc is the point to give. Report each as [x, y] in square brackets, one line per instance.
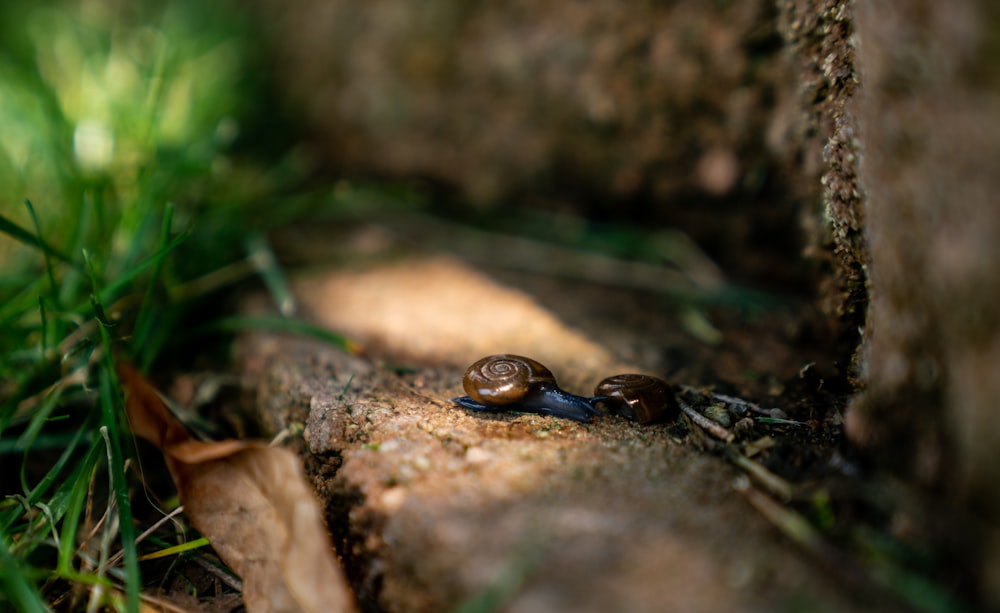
[589, 125]
[704, 154]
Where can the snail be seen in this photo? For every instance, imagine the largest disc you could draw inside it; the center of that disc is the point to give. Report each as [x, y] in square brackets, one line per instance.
[508, 382]
[640, 398]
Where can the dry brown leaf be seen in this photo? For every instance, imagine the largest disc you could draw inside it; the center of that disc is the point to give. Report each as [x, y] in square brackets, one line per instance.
[254, 505]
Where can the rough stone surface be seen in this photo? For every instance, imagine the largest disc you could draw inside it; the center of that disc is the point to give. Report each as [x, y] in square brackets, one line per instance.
[931, 127]
[655, 111]
[664, 97]
[823, 145]
[433, 506]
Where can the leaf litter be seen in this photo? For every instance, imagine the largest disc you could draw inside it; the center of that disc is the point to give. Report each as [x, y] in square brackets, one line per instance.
[254, 505]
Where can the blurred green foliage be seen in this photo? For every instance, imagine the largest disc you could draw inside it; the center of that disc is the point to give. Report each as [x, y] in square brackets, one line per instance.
[116, 108]
[122, 181]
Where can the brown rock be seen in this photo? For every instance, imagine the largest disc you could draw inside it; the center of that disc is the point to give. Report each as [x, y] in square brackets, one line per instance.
[931, 128]
[433, 506]
[642, 111]
[822, 141]
[598, 98]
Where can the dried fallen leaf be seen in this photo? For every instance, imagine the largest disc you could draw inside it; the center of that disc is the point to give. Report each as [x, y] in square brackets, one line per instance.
[252, 502]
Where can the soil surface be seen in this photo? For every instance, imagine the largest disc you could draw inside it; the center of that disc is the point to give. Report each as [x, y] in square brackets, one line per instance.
[432, 506]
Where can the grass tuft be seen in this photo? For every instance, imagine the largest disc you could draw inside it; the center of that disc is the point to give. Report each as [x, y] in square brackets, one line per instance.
[123, 188]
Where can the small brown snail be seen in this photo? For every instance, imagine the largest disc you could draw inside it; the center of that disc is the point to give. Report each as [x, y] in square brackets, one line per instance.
[641, 398]
[508, 382]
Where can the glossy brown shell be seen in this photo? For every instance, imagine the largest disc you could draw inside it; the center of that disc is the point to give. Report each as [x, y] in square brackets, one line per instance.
[504, 378]
[641, 398]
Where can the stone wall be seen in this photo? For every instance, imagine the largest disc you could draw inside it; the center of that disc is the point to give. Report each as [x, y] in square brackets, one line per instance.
[653, 112]
[904, 98]
[822, 148]
[930, 119]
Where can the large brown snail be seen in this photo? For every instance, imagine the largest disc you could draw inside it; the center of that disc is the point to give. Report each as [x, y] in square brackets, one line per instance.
[509, 382]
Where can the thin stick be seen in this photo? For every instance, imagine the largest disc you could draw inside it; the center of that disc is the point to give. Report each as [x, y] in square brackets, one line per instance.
[706, 424]
[163, 604]
[791, 524]
[223, 576]
[801, 532]
[121, 552]
[767, 479]
[751, 406]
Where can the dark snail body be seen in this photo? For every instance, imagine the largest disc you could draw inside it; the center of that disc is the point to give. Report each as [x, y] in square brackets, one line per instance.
[640, 398]
[546, 401]
[508, 382]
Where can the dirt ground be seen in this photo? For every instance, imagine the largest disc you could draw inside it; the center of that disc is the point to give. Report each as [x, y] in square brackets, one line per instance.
[432, 506]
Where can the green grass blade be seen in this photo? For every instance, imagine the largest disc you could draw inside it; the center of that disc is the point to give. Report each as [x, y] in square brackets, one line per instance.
[111, 407]
[50, 477]
[176, 549]
[10, 516]
[99, 312]
[267, 265]
[45, 440]
[73, 280]
[144, 321]
[44, 328]
[19, 234]
[45, 254]
[16, 587]
[27, 438]
[112, 289]
[15, 305]
[110, 400]
[72, 503]
[38, 419]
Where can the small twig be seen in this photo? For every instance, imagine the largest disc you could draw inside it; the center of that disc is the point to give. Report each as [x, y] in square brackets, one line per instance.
[750, 406]
[790, 523]
[706, 424]
[113, 561]
[110, 528]
[75, 377]
[435, 400]
[801, 532]
[218, 278]
[876, 575]
[753, 407]
[52, 522]
[222, 575]
[283, 435]
[161, 603]
[767, 479]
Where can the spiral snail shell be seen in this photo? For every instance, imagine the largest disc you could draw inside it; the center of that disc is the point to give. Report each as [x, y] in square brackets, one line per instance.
[508, 382]
[504, 378]
[641, 398]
